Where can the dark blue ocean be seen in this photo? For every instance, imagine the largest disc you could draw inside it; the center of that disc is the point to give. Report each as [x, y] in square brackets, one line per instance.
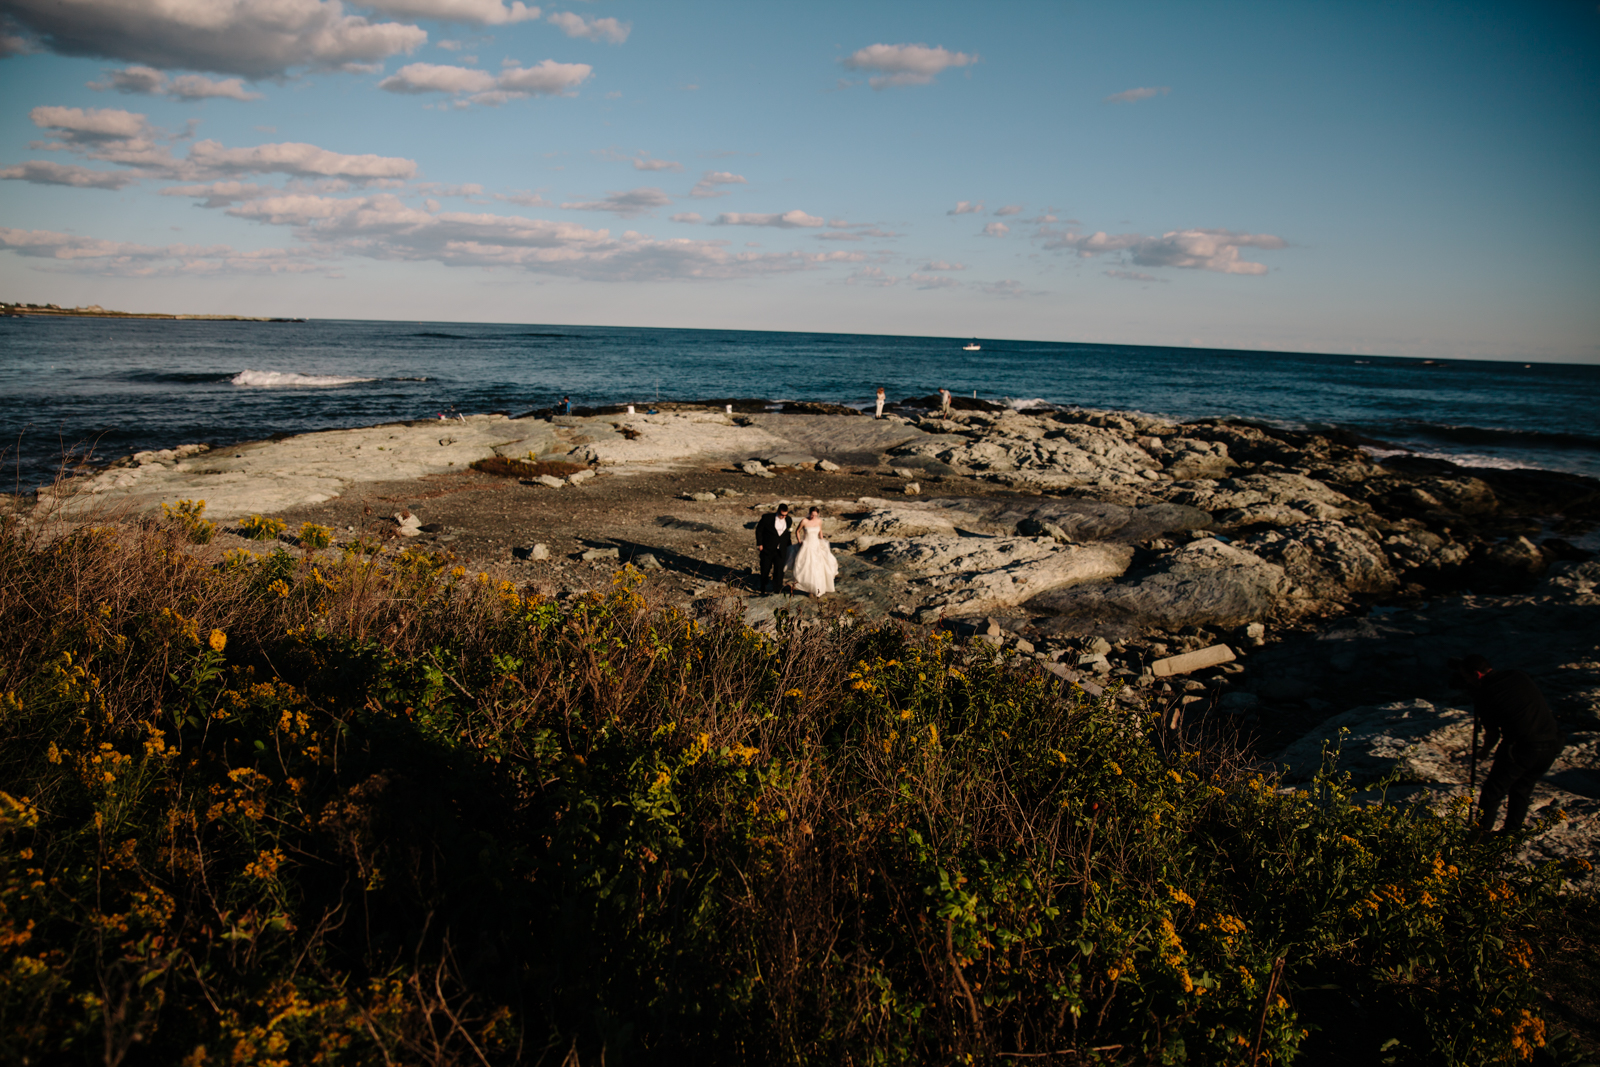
[114, 386]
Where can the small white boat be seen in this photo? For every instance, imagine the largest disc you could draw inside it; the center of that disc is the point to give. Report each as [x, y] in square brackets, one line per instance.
[974, 346]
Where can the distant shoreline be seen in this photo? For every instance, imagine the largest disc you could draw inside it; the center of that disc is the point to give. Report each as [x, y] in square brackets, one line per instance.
[95, 311]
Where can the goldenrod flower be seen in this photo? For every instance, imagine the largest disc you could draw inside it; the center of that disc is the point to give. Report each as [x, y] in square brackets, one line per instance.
[219, 640]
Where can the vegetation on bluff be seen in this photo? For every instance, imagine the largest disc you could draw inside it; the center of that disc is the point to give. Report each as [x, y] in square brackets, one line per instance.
[267, 809]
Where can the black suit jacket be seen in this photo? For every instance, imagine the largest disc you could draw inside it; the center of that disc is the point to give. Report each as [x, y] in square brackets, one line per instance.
[767, 536]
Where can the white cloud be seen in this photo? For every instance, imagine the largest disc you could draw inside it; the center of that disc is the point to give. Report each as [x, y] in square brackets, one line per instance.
[523, 199]
[932, 281]
[839, 235]
[127, 258]
[788, 220]
[44, 172]
[1133, 276]
[469, 12]
[256, 40]
[874, 276]
[219, 194]
[940, 264]
[12, 44]
[1213, 250]
[1009, 287]
[966, 207]
[151, 82]
[591, 29]
[1009, 209]
[77, 125]
[548, 78]
[1133, 96]
[905, 64]
[687, 216]
[643, 163]
[632, 203]
[996, 229]
[304, 160]
[707, 185]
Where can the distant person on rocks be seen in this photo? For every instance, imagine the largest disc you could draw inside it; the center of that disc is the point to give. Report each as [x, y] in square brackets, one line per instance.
[1518, 720]
[944, 405]
[566, 405]
[879, 413]
[774, 534]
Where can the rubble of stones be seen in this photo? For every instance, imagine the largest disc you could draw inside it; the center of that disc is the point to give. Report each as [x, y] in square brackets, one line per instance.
[1128, 539]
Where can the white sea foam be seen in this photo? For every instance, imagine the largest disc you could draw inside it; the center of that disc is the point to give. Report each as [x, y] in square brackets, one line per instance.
[1460, 459]
[271, 379]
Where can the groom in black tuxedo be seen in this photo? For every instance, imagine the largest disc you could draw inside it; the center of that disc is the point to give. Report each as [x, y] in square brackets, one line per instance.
[774, 535]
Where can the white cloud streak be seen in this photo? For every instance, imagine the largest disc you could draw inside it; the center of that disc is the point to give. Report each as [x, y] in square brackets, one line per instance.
[627, 205]
[608, 30]
[466, 12]
[148, 81]
[45, 172]
[788, 220]
[1212, 250]
[904, 64]
[996, 229]
[548, 78]
[966, 207]
[707, 185]
[1133, 96]
[256, 40]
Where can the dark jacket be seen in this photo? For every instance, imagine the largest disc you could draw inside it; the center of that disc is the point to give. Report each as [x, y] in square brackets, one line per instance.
[1510, 705]
[767, 536]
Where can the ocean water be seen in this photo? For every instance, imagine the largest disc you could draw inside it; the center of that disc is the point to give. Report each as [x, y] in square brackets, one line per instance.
[108, 387]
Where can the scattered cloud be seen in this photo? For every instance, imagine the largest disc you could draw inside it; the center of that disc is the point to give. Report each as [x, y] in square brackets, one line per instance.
[706, 187]
[1213, 250]
[255, 40]
[789, 220]
[467, 12]
[219, 194]
[151, 82]
[628, 205]
[524, 199]
[1009, 287]
[966, 207]
[904, 64]
[687, 216]
[608, 30]
[874, 276]
[127, 258]
[301, 160]
[1133, 96]
[932, 281]
[643, 163]
[1009, 209]
[996, 229]
[45, 172]
[939, 264]
[514, 82]
[1133, 276]
[448, 189]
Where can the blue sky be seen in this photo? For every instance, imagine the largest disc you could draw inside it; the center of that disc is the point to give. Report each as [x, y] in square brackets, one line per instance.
[1419, 179]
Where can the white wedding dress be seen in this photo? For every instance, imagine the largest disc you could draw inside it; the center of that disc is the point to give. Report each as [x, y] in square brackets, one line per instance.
[811, 565]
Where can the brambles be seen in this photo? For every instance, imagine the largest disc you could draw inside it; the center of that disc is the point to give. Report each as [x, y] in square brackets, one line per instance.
[314, 536]
[260, 529]
[187, 514]
[526, 468]
[604, 826]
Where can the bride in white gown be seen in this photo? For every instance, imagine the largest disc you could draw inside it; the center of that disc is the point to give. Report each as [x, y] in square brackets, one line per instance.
[811, 566]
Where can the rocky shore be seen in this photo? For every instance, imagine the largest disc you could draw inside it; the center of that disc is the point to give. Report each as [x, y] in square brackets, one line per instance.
[1100, 545]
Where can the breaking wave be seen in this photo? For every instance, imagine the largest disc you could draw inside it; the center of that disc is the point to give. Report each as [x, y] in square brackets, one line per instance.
[271, 379]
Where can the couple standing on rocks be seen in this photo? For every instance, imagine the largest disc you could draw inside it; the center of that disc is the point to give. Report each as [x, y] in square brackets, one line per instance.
[809, 566]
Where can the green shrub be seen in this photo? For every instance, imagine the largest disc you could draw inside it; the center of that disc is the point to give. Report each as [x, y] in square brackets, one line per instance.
[257, 528]
[314, 536]
[386, 811]
[187, 514]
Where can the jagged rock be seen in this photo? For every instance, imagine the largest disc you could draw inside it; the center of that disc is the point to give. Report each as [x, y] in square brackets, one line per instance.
[549, 480]
[600, 553]
[1187, 458]
[1327, 559]
[969, 573]
[756, 469]
[1509, 564]
[646, 561]
[912, 489]
[579, 477]
[703, 498]
[1203, 583]
[827, 466]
